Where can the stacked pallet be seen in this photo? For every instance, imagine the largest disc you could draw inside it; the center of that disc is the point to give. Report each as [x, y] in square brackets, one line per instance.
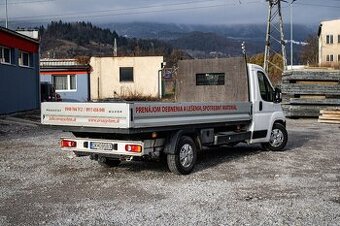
[331, 115]
[307, 91]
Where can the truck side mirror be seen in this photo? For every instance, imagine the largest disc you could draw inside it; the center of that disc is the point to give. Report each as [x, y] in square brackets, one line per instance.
[277, 95]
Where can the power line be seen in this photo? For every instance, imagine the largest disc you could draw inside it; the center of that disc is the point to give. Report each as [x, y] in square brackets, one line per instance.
[333, 0]
[120, 13]
[116, 10]
[317, 5]
[27, 2]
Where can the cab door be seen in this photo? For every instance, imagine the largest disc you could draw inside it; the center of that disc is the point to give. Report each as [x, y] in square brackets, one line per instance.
[264, 107]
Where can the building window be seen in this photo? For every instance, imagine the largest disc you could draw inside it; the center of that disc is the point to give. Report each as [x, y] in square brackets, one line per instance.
[209, 79]
[329, 39]
[25, 59]
[126, 74]
[339, 58]
[329, 58]
[5, 55]
[338, 38]
[65, 82]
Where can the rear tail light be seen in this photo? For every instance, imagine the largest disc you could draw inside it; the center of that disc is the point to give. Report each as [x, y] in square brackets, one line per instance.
[133, 148]
[68, 144]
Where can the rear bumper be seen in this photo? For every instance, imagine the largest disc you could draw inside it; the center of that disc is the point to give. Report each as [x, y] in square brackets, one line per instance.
[88, 146]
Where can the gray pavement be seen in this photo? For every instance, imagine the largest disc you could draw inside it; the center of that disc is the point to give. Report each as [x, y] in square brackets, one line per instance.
[42, 185]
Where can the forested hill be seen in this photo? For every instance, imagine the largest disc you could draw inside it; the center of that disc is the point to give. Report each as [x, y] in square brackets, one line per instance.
[81, 33]
[63, 40]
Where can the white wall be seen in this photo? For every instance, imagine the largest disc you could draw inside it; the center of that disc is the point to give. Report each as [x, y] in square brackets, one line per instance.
[105, 76]
[329, 28]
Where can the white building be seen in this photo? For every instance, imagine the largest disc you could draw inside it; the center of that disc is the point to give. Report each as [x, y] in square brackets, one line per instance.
[329, 42]
[112, 76]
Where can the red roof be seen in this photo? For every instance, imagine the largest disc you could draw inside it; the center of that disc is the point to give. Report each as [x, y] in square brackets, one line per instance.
[12, 39]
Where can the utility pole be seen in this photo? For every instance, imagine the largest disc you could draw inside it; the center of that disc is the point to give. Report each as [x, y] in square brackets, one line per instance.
[291, 34]
[274, 36]
[6, 14]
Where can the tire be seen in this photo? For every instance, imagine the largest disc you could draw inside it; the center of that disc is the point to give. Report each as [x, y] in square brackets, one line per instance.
[278, 138]
[184, 159]
[108, 163]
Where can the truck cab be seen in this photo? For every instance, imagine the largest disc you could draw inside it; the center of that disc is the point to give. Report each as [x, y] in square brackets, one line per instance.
[267, 110]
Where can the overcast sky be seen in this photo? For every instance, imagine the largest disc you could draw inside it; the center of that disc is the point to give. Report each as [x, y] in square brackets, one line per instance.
[167, 11]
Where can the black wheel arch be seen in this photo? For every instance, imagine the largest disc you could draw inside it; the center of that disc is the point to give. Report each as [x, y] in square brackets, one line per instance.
[282, 122]
[173, 139]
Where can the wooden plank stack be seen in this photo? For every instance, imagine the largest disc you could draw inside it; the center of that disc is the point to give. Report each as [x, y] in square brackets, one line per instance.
[330, 115]
[307, 91]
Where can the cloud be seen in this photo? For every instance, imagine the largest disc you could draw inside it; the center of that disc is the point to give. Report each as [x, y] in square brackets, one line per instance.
[176, 11]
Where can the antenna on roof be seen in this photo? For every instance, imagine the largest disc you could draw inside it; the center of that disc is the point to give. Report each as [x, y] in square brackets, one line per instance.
[6, 14]
[115, 50]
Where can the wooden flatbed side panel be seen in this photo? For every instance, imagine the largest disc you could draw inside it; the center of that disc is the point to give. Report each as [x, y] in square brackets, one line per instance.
[233, 89]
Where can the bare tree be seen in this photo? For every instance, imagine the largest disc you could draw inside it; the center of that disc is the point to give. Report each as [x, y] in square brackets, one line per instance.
[309, 53]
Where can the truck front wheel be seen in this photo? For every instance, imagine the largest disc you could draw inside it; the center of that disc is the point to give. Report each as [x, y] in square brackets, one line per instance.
[184, 159]
[278, 138]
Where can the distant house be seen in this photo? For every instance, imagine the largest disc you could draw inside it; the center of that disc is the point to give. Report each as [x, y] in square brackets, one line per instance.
[19, 72]
[70, 78]
[329, 42]
[117, 76]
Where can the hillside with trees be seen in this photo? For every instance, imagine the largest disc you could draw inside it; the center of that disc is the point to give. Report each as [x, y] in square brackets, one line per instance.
[65, 40]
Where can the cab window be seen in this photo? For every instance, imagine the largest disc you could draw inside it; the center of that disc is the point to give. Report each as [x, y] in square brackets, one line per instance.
[266, 90]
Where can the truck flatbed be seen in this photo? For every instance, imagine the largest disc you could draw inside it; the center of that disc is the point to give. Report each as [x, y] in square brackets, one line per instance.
[136, 117]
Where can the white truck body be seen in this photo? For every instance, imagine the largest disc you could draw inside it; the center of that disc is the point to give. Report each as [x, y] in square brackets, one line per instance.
[125, 130]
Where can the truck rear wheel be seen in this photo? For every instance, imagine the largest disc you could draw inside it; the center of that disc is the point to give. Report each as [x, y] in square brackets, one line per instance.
[107, 162]
[278, 138]
[184, 159]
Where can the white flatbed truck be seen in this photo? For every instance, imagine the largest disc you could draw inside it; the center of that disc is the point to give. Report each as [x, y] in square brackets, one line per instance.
[118, 131]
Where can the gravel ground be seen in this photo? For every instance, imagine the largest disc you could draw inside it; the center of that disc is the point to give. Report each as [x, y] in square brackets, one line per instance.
[41, 185]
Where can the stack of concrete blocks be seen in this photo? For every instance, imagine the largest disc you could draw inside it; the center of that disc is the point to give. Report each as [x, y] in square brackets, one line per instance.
[307, 91]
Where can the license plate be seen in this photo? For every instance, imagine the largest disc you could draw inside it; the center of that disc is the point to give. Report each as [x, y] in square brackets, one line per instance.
[101, 146]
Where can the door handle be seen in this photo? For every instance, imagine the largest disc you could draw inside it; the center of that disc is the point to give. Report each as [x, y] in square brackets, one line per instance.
[261, 106]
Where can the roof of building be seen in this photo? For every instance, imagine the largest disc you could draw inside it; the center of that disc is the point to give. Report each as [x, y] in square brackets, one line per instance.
[325, 22]
[55, 65]
[11, 32]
